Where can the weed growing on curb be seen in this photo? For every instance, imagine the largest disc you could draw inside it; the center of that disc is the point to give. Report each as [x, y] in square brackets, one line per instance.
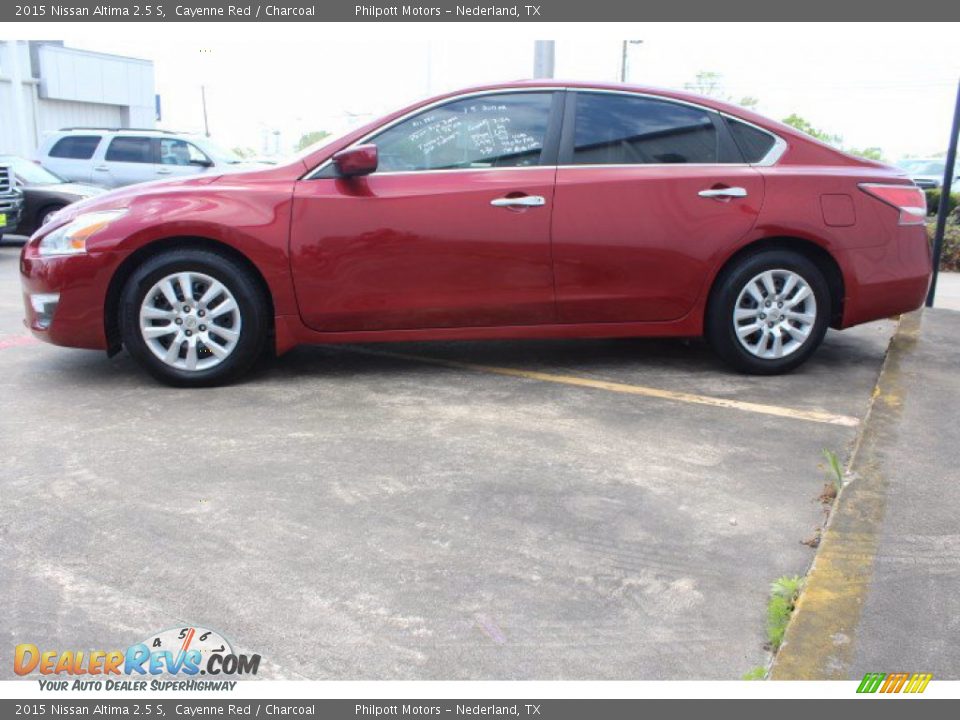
[783, 599]
[836, 471]
[757, 673]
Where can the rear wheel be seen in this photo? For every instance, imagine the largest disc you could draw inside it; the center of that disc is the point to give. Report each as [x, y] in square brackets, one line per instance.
[193, 318]
[768, 312]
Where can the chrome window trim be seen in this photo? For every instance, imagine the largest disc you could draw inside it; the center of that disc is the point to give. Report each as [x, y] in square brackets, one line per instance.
[621, 166]
[775, 153]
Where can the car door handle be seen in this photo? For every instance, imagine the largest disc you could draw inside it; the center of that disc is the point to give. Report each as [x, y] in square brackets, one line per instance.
[102, 168]
[728, 192]
[164, 172]
[522, 201]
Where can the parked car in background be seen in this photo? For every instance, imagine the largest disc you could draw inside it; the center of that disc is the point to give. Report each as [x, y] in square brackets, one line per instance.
[11, 201]
[44, 193]
[927, 173]
[522, 210]
[117, 157]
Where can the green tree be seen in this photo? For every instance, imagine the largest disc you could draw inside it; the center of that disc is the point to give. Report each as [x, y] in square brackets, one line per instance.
[310, 138]
[795, 121]
[870, 153]
[800, 123]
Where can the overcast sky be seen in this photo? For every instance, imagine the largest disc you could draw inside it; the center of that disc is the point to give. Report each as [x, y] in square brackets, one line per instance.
[885, 85]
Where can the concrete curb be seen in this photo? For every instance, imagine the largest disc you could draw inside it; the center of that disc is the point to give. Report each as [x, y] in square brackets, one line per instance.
[820, 639]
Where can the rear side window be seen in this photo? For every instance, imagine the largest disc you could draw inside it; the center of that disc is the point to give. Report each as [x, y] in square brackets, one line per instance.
[75, 147]
[622, 130]
[753, 142]
[481, 132]
[131, 150]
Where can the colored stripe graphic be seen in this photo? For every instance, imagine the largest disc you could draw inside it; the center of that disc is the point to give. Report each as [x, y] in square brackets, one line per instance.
[894, 682]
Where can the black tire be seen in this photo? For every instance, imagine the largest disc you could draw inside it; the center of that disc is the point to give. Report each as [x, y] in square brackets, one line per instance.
[720, 329]
[240, 282]
[44, 211]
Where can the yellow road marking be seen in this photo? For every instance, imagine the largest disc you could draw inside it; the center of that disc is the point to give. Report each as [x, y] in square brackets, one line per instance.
[642, 390]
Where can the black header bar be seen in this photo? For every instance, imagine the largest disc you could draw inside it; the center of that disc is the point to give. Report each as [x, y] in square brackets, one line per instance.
[854, 11]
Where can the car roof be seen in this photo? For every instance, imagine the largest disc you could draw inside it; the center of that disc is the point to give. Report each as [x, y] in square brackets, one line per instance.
[121, 131]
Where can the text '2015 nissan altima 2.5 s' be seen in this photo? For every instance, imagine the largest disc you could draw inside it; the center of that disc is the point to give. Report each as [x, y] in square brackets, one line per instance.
[522, 210]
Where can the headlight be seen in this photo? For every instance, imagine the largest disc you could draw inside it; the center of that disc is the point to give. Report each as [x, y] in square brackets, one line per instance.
[71, 239]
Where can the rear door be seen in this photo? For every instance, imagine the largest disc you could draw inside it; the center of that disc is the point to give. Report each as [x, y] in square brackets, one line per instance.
[649, 191]
[128, 159]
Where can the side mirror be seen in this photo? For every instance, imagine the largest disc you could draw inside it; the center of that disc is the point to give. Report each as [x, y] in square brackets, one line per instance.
[202, 163]
[356, 161]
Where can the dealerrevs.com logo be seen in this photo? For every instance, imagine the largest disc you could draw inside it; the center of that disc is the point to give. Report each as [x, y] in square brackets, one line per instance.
[169, 660]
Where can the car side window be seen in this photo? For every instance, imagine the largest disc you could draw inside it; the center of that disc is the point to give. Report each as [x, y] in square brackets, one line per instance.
[131, 150]
[506, 130]
[612, 129]
[75, 147]
[753, 142]
[181, 152]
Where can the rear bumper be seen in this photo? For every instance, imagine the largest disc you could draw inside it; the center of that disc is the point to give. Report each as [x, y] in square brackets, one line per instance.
[80, 284]
[887, 279]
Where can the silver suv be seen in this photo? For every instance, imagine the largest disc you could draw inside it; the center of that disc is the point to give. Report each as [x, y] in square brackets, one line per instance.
[123, 156]
[11, 201]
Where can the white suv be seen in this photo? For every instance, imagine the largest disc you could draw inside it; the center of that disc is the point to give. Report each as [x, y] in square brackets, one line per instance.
[122, 156]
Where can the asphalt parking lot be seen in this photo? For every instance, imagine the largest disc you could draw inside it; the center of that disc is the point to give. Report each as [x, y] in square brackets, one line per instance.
[500, 510]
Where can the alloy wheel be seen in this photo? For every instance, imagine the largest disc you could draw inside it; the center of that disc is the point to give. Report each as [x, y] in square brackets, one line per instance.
[190, 321]
[775, 314]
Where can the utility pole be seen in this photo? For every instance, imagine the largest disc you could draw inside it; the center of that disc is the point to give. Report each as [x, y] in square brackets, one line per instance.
[543, 57]
[944, 208]
[624, 58]
[203, 99]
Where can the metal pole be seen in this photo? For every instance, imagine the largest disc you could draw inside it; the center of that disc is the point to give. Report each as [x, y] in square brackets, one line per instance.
[625, 58]
[543, 57]
[203, 98]
[943, 210]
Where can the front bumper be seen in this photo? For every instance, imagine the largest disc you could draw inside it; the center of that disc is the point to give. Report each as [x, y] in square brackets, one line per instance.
[79, 283]
[10, 207]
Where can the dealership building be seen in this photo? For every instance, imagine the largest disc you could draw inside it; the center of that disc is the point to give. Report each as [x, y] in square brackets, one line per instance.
[45, 86]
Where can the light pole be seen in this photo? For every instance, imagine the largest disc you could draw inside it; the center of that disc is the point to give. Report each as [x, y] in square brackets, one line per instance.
[543, 58]
[624, 58]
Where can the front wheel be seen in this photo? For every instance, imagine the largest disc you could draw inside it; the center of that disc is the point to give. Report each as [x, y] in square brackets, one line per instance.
[193, 318]
[768, 312]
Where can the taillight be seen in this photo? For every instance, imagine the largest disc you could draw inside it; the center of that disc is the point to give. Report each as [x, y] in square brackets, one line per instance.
[908, 199]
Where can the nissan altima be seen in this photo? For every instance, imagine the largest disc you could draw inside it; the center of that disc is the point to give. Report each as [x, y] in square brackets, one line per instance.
[521, 210]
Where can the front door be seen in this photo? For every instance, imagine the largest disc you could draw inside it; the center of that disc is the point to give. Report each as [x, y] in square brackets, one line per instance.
[453, 229]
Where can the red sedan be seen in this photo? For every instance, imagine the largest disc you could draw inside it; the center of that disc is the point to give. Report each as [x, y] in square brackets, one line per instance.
[522, 210]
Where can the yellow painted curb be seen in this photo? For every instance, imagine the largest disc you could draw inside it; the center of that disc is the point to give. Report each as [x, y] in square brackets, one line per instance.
[820, 640]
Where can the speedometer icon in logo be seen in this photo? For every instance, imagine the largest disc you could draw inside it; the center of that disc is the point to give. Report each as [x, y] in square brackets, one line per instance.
[198, 643]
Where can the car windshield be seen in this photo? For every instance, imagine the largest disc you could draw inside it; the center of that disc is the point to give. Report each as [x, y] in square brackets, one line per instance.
[30, 173]
[923, 167]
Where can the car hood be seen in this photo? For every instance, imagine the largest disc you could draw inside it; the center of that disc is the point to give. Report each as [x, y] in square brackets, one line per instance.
[78, 190]
[122, 197]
